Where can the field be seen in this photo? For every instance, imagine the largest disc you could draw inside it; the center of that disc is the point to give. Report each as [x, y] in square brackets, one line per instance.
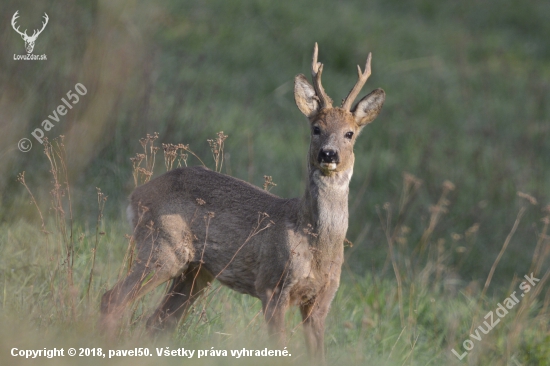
[449, 202]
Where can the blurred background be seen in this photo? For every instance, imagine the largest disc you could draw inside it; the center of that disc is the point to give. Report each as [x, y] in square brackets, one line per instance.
[468, 101]
[438, 231]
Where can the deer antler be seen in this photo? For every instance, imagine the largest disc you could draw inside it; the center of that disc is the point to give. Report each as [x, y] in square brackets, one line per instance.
[13, 19]
[363, 77]
[316, 71]
[35, 34]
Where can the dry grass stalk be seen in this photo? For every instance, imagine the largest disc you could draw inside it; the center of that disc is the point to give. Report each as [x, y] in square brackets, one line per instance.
[268, 182]
[21, 179]
[61, 206]
[216, 146]
[61, 196]
[101, 200]
[172, 153]
[436, 212]
[502, 250]
[386, 227]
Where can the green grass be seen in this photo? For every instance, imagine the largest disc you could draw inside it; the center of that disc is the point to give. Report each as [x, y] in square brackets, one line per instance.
[468, 95]
[54, 276]
[40, 310]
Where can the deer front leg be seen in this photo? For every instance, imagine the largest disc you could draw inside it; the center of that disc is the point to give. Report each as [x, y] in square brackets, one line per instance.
[314, 330]
[314, 314]
[275, 306]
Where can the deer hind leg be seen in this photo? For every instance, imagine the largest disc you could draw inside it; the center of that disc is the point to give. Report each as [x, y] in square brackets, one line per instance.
[183, 292]
[141, 280]
[162, 255]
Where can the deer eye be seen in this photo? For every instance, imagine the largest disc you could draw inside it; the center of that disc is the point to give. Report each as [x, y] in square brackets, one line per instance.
[349, 135]
[316, 130]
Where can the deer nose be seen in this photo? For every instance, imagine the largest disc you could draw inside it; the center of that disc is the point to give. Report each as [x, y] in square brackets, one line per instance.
[328, 156]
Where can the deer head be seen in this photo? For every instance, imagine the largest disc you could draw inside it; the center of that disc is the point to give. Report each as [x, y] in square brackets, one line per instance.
[29, 41]
[335, 129]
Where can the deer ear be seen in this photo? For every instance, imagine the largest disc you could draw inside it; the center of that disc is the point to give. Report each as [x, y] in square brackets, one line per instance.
[305, 97]
[369, 107]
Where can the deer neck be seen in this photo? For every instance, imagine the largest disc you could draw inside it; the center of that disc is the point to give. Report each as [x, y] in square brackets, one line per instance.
[325, 208]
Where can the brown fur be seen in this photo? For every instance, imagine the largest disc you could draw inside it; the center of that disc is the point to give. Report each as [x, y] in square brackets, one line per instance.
[193, 225]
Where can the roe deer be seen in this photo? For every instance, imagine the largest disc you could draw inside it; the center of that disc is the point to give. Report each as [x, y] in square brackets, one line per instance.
[193, 225]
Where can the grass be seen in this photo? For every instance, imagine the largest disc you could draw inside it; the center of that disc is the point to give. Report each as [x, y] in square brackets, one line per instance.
[468, 88]
[55, 273]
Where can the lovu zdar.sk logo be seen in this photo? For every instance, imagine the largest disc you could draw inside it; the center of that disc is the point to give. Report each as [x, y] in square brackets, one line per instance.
[29, 40]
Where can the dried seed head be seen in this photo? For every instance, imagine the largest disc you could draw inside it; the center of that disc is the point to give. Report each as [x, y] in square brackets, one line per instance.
[532, 200]
[448, 186]
[456, 236]
[412, 180]
[368, 323]
[143, 142]
[268, 182]
[471, 230]
[309, 231]
[434, 209]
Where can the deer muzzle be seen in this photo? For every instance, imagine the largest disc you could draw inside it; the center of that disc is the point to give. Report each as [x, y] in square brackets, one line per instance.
[328, 159]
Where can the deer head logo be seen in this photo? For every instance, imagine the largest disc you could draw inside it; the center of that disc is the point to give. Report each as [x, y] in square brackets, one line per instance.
[29, 41]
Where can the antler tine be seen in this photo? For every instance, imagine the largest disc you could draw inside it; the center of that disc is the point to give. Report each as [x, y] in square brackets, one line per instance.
[13, 20]
[316, 71]
[363, 77]
[46, 18]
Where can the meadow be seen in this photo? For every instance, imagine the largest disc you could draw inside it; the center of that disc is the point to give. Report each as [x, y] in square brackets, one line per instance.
[449, 203]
